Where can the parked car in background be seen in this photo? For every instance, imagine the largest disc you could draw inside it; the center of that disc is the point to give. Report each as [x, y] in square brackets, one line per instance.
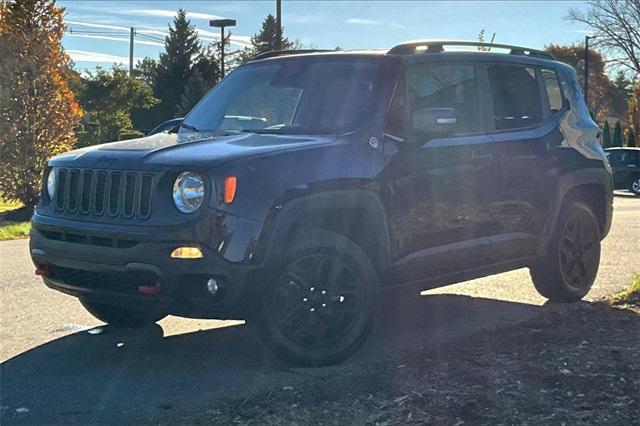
[304, 186]
[169, 126]
[626, 168]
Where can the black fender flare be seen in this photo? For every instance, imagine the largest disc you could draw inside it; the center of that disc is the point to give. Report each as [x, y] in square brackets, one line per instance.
[282, 218]
[571, 181]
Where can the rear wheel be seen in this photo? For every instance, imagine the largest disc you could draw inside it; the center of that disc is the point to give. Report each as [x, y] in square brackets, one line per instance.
[571, 265]
[121, 317]
[317, 310]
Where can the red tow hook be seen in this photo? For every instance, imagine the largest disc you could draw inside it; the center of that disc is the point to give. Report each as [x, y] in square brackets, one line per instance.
[150, 289]
[43, 271]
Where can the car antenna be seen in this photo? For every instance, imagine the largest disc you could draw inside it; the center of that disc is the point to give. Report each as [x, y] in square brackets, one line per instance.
[493, 37]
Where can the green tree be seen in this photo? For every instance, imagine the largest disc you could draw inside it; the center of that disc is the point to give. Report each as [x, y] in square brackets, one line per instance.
[110, 96]
[38, 111]
[265, 40]
[620, 94]
[182, 49]
[606, 135]
[599, 84]
[195, 89]
[617, 135]
[631, 138]
[146, 70]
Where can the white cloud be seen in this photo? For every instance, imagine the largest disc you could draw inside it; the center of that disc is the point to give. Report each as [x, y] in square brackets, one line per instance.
[92, 25]
[171, 13]
[365, 21]
[87, 56]
[362, 21]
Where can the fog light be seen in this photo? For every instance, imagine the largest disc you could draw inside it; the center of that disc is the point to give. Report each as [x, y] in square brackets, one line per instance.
[187, 253]
[212, 286]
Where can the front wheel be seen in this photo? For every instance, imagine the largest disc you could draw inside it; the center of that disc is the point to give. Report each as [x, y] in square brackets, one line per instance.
[571, 265]
[635, 186]
[121, 317]
[317, 310]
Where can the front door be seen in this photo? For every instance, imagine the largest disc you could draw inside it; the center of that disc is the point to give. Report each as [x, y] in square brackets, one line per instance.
[438, 187]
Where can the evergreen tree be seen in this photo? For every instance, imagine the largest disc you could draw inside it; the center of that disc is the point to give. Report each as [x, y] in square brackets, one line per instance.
[38, 111]
[617, 135]
[606, 135]
[194, 90]
[182, 49]
[265, 40]
[631, 138]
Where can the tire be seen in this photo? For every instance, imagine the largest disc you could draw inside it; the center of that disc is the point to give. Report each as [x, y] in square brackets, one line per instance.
[121, 317]
[310, 318]
[635, 186]
[568, 271]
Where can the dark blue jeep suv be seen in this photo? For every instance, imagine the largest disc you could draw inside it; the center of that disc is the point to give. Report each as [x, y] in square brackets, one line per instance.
[340, 176]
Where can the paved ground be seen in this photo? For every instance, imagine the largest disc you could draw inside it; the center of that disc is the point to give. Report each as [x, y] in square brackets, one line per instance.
[53, 370]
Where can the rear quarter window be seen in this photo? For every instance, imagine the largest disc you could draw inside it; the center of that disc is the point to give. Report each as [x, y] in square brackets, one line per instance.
[552, 87]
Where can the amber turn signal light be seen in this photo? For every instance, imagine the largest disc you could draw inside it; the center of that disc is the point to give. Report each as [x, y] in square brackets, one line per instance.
[187, 253]
[230, 184]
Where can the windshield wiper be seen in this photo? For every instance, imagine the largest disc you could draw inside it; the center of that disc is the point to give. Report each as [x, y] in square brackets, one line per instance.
[190, 127]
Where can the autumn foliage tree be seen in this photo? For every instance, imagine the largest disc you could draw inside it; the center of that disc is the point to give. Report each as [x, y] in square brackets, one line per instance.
[599, 83]
[38, 111]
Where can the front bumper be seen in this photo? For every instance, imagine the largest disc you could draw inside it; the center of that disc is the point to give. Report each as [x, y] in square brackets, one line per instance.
[107, 266]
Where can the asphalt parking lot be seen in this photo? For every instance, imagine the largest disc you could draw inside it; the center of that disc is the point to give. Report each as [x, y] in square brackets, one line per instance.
[55, 370]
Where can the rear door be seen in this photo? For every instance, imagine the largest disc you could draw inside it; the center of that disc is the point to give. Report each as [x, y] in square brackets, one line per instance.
[528, 106]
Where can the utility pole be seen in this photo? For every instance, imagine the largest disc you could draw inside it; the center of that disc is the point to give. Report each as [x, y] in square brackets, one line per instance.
[278, 45]
[586, 68]
[132, 33]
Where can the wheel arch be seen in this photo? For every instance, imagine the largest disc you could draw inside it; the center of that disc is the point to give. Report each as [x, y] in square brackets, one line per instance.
[592, 186]
[355, 213]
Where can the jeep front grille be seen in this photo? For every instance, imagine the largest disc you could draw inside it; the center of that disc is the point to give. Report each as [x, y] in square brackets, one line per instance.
[108, 193]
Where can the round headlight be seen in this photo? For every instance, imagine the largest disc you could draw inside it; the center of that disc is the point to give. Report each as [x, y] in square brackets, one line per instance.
[51, 183]
[188, 192]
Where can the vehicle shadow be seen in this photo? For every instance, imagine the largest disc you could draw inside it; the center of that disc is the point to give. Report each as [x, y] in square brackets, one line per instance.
[137, 375]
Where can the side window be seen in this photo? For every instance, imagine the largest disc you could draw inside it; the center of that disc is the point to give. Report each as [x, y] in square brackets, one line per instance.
[446, 86]
[516, 99]
[554, 94]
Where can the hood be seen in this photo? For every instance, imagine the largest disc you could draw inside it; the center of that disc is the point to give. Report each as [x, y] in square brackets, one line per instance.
[186, 149]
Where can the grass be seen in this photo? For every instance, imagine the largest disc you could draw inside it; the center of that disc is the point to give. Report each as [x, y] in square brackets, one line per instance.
[629, 295]
[12, 230]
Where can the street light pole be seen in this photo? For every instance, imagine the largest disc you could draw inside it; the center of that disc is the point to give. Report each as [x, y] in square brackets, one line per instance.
[222, 23]
[586, 68]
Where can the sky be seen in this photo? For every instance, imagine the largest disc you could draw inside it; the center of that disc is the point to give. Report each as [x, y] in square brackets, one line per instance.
[317, 24]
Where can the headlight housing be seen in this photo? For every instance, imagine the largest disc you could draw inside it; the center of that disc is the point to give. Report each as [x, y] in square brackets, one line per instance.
[188, 192]
[51, 183]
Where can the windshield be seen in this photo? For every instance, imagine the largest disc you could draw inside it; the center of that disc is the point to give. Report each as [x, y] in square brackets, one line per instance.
[301, 95]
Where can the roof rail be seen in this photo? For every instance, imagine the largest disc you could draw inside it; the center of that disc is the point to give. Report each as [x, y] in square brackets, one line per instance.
[274, 53]
[437, 46]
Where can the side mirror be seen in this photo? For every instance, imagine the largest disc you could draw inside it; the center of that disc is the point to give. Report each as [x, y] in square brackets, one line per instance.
[433, 121]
